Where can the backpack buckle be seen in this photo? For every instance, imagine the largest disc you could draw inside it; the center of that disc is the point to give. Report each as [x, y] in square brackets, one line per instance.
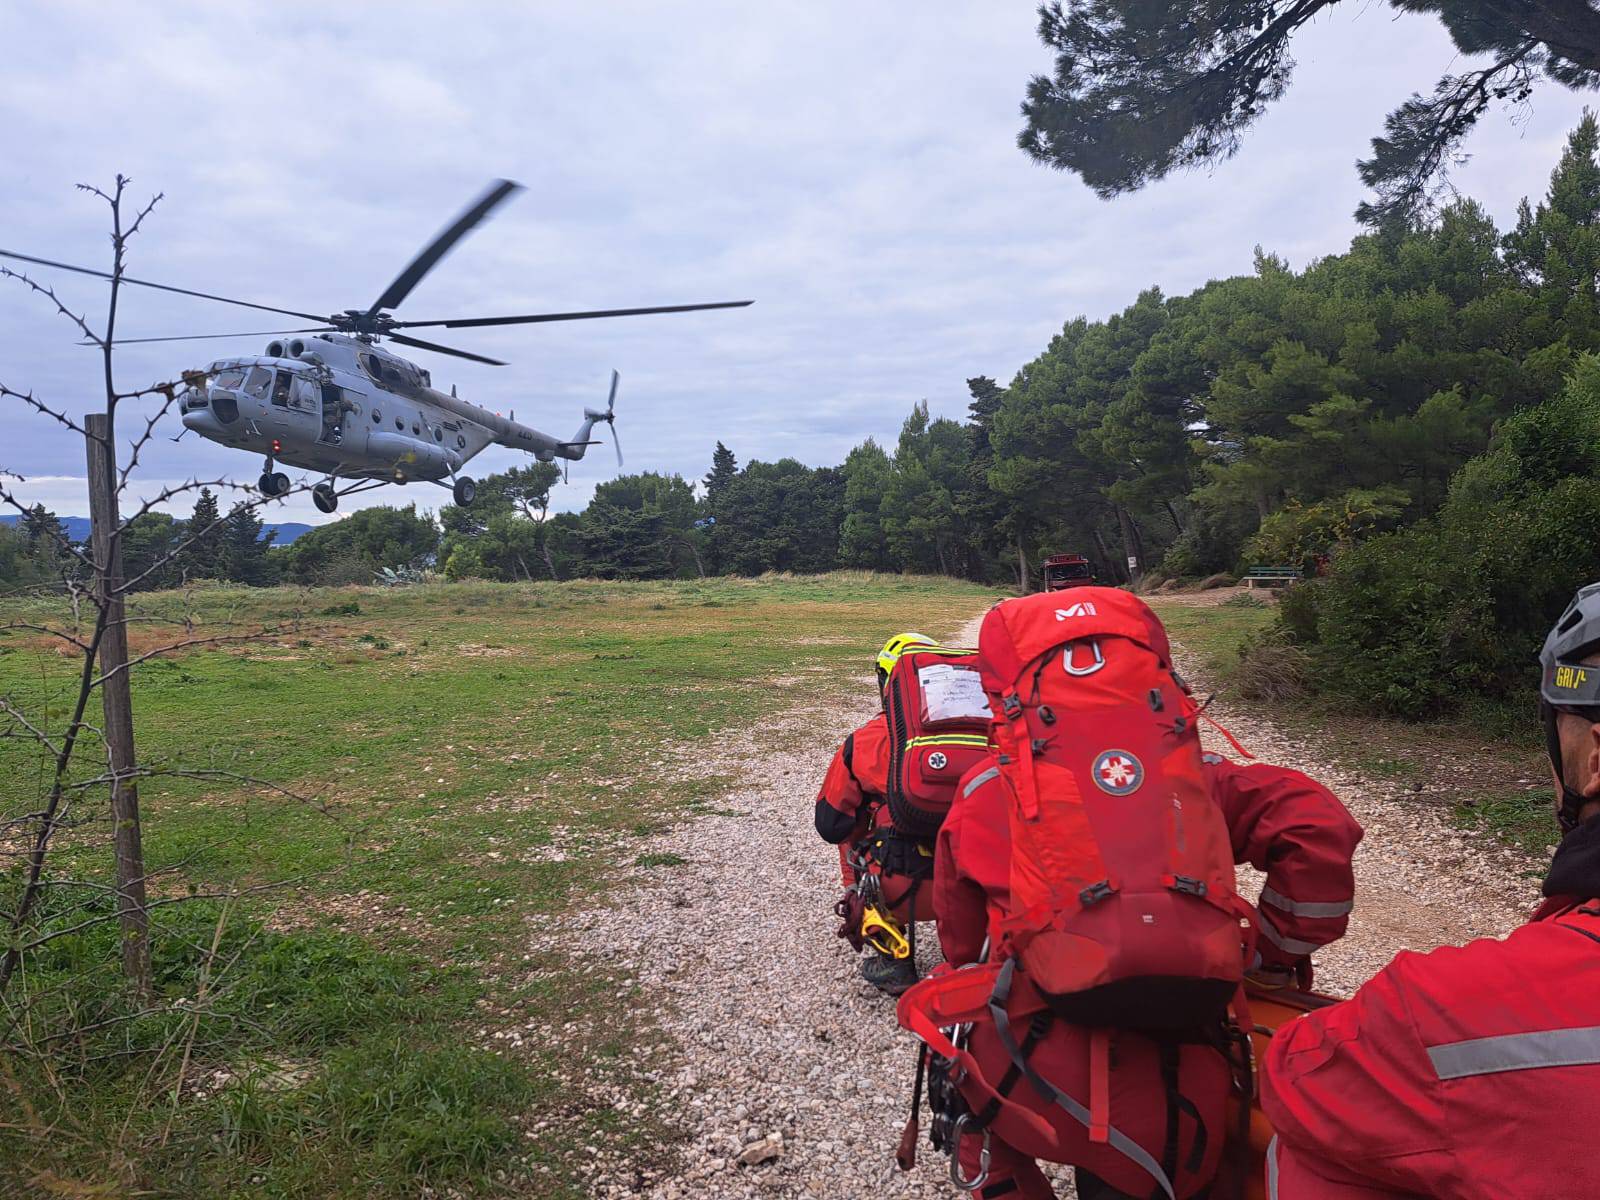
[1189, 884]
[1099, 659]
[1012, 704]
[1095, 893]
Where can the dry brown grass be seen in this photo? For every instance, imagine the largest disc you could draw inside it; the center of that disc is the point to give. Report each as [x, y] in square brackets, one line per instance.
[1272, 672]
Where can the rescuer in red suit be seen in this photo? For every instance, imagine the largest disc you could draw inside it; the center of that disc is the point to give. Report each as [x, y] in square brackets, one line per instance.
[1469, 1072]
[851, 812]
[1279, 821]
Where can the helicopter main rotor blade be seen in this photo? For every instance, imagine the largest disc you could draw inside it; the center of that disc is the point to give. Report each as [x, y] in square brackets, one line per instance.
[438, 349]
[497, 192]
[611, 400]
[205, 337]
[536, 318]
[164, 287]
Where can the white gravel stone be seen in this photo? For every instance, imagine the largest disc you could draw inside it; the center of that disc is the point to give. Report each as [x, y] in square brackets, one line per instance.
[778, 1045]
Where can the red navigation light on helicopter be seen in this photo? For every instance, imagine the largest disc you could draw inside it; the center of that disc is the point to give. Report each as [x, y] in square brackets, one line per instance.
[277, 446]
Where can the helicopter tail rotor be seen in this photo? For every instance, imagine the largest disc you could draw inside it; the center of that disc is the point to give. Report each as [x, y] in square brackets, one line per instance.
[611, 416]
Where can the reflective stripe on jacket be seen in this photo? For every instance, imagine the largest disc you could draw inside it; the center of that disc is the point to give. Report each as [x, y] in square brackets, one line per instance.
[1470, 1073]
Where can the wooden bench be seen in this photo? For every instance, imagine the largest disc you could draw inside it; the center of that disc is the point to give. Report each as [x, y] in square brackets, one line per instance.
[1270, 577]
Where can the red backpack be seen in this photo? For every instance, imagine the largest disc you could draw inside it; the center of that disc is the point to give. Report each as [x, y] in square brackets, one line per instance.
[1122, 910]
[938, 730]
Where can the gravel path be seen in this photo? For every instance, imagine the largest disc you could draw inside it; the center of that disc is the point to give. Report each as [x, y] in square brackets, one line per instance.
[774, 1049]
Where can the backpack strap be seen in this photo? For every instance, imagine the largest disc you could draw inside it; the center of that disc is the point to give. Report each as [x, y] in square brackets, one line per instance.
[1118, 1140]
[1223, 730]
[953, 998]
[1100, 1085]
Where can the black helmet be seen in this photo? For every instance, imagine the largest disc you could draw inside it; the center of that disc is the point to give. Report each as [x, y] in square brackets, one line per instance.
[1567, 684]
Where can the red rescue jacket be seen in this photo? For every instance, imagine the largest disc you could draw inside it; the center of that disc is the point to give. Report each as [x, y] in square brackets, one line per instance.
[1469, 1073]
[1279, 821]
[858, 774]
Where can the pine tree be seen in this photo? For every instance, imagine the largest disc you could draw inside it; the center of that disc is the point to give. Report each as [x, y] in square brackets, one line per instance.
[1144, 88]
[203, 557]
[723, 468]
[1555, 249]
[243, 551]
[45, 540]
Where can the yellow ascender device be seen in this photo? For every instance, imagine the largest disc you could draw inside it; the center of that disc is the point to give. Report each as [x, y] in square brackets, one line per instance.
[882, 931]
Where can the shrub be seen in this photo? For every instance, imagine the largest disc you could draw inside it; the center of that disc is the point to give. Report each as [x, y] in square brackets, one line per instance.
[1297, 613]
[1297, 533]
[1415, 622]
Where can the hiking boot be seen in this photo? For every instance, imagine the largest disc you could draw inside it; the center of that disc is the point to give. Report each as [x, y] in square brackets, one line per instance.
[888, 974]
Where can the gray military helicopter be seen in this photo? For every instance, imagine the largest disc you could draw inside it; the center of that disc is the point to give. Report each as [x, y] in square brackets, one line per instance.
[338, 404]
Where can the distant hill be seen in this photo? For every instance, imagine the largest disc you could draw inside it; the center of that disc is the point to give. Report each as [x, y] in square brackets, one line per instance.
[78, 528]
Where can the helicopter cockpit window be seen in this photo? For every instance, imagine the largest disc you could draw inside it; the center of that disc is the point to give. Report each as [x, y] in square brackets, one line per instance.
[259, 383]
[229, 380]
[280, 389]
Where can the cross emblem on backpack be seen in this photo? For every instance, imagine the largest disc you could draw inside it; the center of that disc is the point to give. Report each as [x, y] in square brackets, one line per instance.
[1117, 772]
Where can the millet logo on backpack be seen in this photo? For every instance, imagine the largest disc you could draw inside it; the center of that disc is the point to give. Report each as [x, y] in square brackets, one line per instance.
[1117, 772]
[1084, 608]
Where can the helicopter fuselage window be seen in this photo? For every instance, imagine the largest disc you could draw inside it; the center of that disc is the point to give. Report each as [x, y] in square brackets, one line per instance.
[280, 390]
[303, 394]
[438, 434]
[259, 383]
[416, 430]
[377, 415]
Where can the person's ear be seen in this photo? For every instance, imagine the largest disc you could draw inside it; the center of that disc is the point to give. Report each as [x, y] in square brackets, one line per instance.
[1591, 762]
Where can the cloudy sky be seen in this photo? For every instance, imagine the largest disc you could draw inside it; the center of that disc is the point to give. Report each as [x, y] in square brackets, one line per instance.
[850, 167]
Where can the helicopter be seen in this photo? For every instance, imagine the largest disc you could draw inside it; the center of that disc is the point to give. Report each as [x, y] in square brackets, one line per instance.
[329, 399]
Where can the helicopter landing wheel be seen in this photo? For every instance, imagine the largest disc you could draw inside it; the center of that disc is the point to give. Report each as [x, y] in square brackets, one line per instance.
[464, 491]
[324, 497]
[272, 483]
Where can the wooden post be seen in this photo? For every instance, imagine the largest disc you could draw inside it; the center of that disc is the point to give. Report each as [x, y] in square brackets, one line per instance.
[115, 695]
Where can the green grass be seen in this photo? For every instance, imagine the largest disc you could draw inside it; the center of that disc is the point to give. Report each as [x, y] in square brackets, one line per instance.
[1213, 632]
[1521, 817]
[661, 860]
[470, 757]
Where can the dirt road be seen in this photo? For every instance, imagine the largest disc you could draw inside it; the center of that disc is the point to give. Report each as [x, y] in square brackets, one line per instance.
[772, 1048]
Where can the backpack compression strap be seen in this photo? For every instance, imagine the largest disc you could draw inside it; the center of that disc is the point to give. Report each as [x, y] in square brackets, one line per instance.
[1118, 1140]
[954, 998]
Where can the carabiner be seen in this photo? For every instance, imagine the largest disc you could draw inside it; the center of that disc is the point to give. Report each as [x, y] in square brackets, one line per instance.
[982, 1177]
[1099, 659]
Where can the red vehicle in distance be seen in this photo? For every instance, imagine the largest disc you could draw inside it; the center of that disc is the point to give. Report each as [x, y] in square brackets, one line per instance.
[1066, 571]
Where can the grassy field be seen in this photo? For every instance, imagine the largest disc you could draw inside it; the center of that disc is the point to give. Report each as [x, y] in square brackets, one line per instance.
[1486, 765]
[464, 759]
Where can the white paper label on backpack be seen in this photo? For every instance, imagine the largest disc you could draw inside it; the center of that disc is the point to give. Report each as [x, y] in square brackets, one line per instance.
[952, 693]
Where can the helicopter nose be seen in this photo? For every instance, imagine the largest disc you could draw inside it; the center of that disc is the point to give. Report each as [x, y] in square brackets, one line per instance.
[201, 421]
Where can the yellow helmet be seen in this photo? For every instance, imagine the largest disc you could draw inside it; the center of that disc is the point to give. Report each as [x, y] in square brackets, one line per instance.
[898, 645]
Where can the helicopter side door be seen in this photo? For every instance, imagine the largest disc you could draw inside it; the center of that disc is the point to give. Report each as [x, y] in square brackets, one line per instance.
[334, 409]
[293, 405]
